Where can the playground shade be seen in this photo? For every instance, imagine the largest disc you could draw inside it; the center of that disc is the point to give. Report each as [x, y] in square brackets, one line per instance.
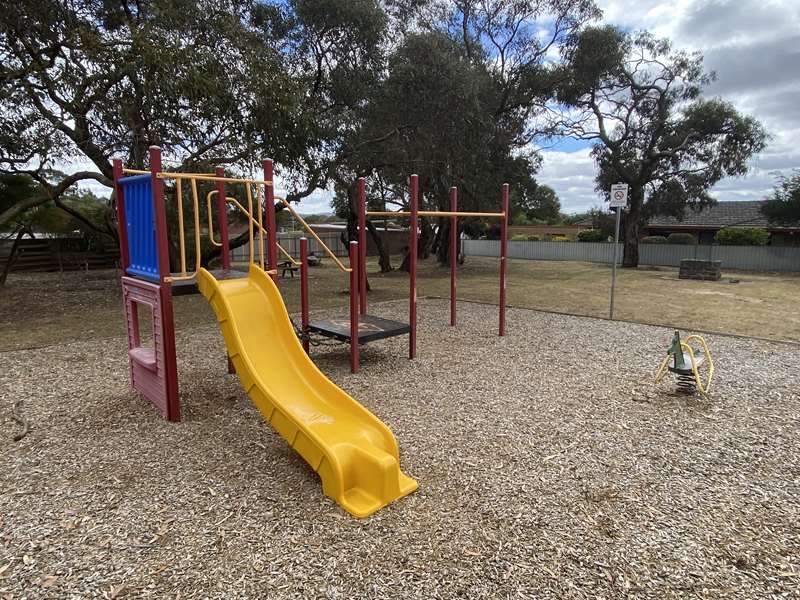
[354, 453]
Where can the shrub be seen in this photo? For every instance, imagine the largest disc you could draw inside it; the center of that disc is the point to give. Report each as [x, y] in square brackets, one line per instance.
[521, 237]
[742, 236]
[560, 238]
[686, 239]
[591, 235]
[654, 239]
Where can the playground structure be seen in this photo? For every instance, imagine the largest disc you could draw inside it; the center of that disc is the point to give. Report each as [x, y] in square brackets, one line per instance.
[354, 453]
[687, 364]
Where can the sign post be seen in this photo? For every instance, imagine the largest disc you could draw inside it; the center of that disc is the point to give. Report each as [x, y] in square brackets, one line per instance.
[618, 200]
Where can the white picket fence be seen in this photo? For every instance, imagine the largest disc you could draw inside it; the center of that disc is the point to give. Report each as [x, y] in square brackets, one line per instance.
[750, 258]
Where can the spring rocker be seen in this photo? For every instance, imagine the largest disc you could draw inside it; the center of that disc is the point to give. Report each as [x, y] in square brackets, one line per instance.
[687, 364]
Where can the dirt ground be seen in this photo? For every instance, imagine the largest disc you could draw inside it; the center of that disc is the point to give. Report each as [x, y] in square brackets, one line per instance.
[549, 466]
[42, 309]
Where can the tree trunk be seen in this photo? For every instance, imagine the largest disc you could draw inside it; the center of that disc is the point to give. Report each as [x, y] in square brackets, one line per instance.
[630, 255]
[425, 239]
[12, 256]
[384, 259]
[443, 238]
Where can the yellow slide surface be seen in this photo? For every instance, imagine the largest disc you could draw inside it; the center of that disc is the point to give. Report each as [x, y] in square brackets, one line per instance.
[355, 454]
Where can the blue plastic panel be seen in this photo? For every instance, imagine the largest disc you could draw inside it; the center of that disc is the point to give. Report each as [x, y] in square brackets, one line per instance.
[140, 219]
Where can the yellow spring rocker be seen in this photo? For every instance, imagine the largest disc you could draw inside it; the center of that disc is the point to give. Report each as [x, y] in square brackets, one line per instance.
[691, 366]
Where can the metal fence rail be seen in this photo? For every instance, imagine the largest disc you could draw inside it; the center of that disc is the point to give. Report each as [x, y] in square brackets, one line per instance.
[751, 258]
[291, 243]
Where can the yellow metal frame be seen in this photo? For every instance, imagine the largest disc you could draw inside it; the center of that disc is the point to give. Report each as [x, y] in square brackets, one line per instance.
[434, 213]
[313, 233]
[685, 347]
[260, 186]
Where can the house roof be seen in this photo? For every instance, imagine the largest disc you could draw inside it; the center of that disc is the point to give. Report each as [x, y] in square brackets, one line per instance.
[746, 213]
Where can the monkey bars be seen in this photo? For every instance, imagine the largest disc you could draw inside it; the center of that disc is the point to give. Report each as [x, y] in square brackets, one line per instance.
[413, 215]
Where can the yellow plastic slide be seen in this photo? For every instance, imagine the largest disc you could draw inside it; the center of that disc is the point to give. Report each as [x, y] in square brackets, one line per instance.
[354, 453]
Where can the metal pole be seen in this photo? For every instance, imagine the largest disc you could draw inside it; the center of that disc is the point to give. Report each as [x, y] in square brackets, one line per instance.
[354, 307]
[412, 269]
[503, 259]
[170, 373]
[124, 256]
[453, 253]
[272, 228]
[362, 245]
[614, 265]
[222, 215]
[304, 291]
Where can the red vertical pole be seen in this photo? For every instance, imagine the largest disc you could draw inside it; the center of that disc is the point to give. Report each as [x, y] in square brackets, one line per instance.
[160, 213]
[412, 268]
[304, 291]
[222, 217]
[122, 223]
[272, 228]
[165, 289]
[354, 307]
[453, 253]
[362, 245]
[503, 259]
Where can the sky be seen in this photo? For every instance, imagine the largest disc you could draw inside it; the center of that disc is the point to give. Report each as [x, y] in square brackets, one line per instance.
[754, 47]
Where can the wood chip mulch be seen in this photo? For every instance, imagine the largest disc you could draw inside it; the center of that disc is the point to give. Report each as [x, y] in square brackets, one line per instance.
[549, 467]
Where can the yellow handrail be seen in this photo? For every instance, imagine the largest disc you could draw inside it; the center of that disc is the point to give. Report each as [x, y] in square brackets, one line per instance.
[181, 235]
[196, 209]
[249, 213]
[703, 388]
[210, 178]
[313, 233]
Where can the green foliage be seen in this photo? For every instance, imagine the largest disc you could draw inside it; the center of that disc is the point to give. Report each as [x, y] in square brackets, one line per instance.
[539, 204]
[521, 237]
[16, 189]
[686, 239]
[592, 235]
[603, 221]
[783, 205]
[742, 236]
[653, 239]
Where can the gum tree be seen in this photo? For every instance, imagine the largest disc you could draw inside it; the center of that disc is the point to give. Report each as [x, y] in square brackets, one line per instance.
[641, 102]
[84, 81]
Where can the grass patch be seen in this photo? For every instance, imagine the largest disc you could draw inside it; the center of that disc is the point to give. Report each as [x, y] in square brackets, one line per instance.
[41, 309]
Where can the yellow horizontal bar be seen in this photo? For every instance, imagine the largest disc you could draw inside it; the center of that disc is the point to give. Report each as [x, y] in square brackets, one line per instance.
[174, 278]
[434, 213]
[210, 178]
[141, 172]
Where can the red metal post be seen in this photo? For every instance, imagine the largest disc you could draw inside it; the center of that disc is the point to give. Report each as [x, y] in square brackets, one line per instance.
[354, 307]
[160, 214]
[453, 253]
[304, 291]
[412, 268]
[362, 245]
[503, 259]
[122, 223]
[272, 228]
[165, 289]
[222, 217]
